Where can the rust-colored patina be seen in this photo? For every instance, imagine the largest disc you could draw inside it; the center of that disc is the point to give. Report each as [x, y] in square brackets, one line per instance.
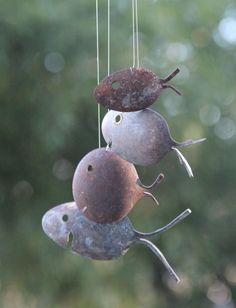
[132, 89]
[106, 187]
[142, 137]
[100, 241]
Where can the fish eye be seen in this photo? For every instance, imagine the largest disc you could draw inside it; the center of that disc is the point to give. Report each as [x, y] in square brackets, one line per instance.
[115, 85]
[90, 168]
[118, 119]
[65, 218]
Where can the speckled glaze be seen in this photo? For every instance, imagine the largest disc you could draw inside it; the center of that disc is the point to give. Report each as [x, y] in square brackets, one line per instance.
[131, 89]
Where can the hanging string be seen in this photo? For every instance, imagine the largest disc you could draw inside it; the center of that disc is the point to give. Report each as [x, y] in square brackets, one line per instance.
[133, 26]
[136, 61]
[98, 74]
[136, 30]
[108, 50]
[108, 37]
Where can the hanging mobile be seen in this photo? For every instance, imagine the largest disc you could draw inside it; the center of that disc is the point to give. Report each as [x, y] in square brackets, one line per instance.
[105, 186]
[100, 241]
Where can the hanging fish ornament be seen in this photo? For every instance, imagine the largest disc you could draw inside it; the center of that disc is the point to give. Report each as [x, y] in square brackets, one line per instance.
[100, 241]
[132, 89]
[142, 137]
[106, 187]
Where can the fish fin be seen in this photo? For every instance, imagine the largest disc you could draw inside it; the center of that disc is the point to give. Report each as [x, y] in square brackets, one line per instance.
[160, 256]
[190, 142]
[151, 196]
[157, 181]
[171, 224]
[171, 75]
[183, 161]
[173, 88]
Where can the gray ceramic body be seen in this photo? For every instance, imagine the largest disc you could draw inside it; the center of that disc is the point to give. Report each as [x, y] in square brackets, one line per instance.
[141, 137]
[93, 240]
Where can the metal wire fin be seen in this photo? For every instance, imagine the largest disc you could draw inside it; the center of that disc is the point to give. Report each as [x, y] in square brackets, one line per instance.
[184, 162]
[157, 181]
[151, 196]
[161, 257]
[171, 224]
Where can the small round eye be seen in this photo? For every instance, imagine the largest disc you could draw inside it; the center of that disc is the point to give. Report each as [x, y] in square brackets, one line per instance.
[65, 218]
[118, 119]
[90, 168]
[115, 85]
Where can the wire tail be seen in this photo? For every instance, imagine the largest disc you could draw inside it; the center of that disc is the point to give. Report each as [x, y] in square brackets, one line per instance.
[171, 224]
[157, 181]
[183, 161]
[171, 75]
[151, 196]
[168, 78]
[160, 256]
[190, 142]
[173, 88]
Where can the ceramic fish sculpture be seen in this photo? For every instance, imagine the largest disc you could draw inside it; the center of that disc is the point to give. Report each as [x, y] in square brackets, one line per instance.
[132, 89]
[142, 137]
[100, 241]
[106, 187]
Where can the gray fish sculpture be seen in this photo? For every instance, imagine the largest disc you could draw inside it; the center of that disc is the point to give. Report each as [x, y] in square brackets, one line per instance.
[100, 241]
[142, 137]
[132, 89]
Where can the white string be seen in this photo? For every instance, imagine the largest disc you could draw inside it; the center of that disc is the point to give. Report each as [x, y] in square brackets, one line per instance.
[136, 57]
[108, 37]
[137, 34]
[98, 75]
[133, 25]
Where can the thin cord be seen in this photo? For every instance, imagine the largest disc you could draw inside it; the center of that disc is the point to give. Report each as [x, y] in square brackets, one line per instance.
[133, 24]
[108, 37]
[97, 38]
[137, 34]
[98, 75]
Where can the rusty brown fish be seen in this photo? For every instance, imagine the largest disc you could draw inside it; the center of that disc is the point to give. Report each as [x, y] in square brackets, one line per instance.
[106, 187]
[132, 89]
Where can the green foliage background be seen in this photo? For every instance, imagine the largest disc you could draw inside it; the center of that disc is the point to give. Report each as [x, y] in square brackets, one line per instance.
[48, 122]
